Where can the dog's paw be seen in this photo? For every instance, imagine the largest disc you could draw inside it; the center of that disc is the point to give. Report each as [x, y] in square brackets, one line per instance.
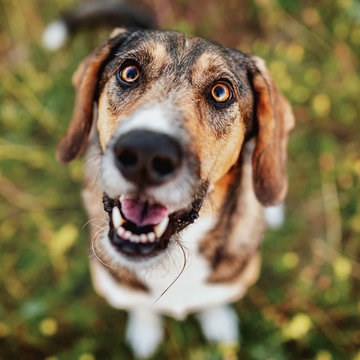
[144, 333]
[220, 324]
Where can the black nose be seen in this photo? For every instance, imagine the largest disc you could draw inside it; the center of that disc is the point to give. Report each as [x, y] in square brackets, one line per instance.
[147, 158]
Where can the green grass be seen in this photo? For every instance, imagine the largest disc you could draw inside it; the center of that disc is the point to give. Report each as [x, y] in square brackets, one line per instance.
[306, 304]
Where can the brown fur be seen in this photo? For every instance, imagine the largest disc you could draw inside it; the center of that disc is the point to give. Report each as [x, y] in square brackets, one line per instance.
[275, 120]
[235, 239]
[85, 81]
[124, 276]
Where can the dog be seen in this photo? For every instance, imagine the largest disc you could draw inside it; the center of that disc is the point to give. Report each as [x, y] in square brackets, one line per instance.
[185, 143]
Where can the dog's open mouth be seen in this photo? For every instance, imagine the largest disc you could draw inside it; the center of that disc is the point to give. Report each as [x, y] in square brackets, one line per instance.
[139, 228]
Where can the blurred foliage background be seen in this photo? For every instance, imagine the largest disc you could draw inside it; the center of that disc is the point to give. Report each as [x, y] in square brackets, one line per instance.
[306, 304]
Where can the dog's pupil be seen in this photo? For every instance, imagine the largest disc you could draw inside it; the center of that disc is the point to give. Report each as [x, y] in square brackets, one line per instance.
[220, 93]
[131, 73]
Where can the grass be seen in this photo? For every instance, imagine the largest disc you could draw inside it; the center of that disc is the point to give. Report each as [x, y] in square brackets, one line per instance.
[305, 305]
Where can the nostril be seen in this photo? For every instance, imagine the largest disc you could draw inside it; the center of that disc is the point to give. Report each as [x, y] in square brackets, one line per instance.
[147, 158]
[127, 158]
[163, 166]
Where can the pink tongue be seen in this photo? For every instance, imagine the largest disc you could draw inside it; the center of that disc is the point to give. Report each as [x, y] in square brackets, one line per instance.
[143, 214]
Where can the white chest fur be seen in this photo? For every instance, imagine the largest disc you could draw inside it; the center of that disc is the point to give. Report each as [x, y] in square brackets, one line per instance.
[190, 291]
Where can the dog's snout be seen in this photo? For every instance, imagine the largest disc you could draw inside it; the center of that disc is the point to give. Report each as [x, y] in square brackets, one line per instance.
[147, 158]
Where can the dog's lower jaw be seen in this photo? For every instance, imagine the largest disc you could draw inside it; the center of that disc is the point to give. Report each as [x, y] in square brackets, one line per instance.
[107, 254]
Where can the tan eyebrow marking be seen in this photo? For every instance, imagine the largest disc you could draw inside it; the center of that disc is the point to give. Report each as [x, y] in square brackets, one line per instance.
[153, 49]
[208, 64]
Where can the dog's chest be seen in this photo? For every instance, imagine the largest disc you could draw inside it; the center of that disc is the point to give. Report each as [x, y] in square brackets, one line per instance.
[176, 288]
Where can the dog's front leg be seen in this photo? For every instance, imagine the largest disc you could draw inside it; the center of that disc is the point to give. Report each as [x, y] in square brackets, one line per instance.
[144, 332]
[220, 325]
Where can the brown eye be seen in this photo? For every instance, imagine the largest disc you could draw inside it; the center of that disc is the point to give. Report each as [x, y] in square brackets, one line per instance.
[221, 93]
[129, 74]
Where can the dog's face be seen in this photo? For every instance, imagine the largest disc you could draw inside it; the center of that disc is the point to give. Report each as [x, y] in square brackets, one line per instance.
[173, 115]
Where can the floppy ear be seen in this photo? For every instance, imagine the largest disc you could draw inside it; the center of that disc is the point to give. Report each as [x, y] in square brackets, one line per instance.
[274, 120]
[85, 81]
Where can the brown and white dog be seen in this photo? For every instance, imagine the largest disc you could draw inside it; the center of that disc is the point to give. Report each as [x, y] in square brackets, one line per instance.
[185, 143]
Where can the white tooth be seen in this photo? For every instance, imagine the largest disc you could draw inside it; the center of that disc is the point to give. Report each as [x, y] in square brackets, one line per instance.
[121, 231]
[116, 217]
[160, 228]
[143, 238]
[135, 238]
[151, 237]
[127, 235]
[121, 198]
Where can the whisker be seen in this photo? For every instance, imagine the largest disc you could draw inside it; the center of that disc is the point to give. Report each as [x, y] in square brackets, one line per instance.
[93, 248]
[178, 276]
[93, 222]
[97, 257]
[100, 227]
[98, 232]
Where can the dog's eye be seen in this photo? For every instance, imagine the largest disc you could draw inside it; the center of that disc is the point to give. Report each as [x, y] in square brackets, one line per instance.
[221, 93]
[129, 74]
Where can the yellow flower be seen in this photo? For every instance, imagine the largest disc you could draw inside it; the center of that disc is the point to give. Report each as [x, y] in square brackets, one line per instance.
[87, 357]
[323, 355]
[321, 105]
[4, 330]
[295, 53]
[357, 356]
[342, 267]
[290, 260]
[48, 327]
[297, 327]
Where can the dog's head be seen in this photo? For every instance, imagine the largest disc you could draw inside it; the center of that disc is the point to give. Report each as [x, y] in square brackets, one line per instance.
[173, 114]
